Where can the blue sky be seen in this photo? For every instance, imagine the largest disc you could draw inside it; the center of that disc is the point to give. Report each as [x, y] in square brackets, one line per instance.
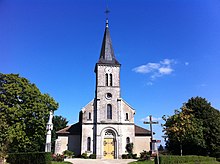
[169, 50]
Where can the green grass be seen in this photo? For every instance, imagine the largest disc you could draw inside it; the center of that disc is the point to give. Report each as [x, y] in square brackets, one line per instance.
[142, 162]
[64, 162]
[152, 162]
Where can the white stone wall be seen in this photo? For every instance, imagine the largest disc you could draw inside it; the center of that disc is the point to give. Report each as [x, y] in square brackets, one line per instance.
[141, 143]
[62, 144]
[101, 75]
[89, 108]
[87, 131]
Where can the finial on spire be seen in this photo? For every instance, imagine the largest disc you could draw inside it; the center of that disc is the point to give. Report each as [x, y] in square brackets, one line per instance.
[107, 11]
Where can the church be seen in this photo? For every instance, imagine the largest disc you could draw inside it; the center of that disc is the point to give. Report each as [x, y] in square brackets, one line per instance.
[106, 124]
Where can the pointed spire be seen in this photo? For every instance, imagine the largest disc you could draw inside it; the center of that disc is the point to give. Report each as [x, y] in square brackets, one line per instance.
[107, 55]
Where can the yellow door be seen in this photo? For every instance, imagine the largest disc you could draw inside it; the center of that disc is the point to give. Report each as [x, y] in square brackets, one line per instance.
[108, 148]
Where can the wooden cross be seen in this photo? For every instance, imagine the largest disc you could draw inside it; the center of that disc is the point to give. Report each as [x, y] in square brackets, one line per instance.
[151, 129]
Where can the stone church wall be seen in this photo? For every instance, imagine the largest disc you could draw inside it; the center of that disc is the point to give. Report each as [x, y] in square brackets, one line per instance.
[141, 143]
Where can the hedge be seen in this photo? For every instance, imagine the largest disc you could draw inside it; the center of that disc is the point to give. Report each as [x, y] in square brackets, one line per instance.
[30, 158]
[171, 159]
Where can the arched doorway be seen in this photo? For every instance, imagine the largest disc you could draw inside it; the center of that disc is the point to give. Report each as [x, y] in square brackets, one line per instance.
[109, 145]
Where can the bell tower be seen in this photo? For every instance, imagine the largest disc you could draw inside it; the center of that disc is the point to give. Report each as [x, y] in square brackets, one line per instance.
[107, 82]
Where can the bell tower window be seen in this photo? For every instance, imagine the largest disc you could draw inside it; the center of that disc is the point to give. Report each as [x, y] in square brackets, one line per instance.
[109, 111]
[110, 79]
[106, 79]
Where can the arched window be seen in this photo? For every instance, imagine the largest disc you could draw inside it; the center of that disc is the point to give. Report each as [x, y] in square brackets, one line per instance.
[126, 116]
[111, 80]
[109, 111]
[89, 116]
[127, 140]
[88, 144]
[106, 79]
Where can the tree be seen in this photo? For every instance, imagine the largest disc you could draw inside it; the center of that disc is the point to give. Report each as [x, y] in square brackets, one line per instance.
[210, 118]
[184, 132]
[160, 148]
[24, 111]
[196, 128]
[59, 122]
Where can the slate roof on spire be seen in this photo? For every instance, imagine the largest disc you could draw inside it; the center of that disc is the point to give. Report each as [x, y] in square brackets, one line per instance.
[107, 55]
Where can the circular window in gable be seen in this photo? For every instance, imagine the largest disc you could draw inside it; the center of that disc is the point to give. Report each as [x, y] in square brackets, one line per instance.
[108, 95]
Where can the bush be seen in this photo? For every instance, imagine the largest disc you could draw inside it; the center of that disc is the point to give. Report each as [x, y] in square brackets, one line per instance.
[68, 154]
[171, 159]
[124, 156]
[58, 157]
[144, 156]
[84, 155]
[134, 156]
[29, 158]
[92, 156]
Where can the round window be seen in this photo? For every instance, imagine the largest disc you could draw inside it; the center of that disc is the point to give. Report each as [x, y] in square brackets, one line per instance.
[108, 95]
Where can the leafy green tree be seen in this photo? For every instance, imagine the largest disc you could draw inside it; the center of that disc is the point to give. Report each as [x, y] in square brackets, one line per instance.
[24, 111]
[160, 148]
[184, 132]
[59, 122]
[196, 128]
[210, 118]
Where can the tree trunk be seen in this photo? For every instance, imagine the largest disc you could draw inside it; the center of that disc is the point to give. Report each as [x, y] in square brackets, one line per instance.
[181, 150]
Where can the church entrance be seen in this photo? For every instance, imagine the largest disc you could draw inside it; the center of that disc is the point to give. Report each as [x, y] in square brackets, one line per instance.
[109, 145]
[109, 148]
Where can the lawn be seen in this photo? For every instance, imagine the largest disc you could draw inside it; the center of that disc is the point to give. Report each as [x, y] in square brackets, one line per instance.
[64, 162]
[142, 162]
[152, 162]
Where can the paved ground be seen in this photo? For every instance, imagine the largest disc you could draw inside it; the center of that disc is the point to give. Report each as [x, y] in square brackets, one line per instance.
[99, 161]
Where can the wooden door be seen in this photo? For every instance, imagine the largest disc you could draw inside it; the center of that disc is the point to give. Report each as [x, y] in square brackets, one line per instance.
[109, 148]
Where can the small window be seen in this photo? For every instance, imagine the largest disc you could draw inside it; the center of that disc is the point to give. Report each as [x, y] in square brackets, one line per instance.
[109, 111]
[89, 116]
[88, 144]
[110, 79]
[106, 79]
[127, 140]
[126, 116]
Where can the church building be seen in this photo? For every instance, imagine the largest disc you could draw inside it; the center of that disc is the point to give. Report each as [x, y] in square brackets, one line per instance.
[106, 124]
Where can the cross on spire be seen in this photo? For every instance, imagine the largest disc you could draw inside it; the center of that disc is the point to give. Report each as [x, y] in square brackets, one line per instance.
[107, 11]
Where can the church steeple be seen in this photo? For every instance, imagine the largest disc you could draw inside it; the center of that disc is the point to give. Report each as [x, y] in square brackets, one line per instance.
[107, 55]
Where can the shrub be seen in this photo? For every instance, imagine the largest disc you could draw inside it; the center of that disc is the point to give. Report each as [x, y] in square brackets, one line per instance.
[134, 156]
[124, 156]
[171, 159]
[29, 158]
[92, 156]
[84, 155]
[144, 156]
[58, 157]
[68, 154]
[129, 148]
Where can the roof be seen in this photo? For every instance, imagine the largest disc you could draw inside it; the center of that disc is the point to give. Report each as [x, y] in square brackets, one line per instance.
[139, 131]
[74, 129]
[107, 55]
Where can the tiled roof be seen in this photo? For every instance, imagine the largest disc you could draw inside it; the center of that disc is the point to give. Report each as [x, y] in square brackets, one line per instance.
[139, 131]
[72, 129]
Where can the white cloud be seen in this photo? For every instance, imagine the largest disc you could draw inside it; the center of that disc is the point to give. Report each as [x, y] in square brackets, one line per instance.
[149, 83]
[186, 63]
[153, 119]
[159, 69]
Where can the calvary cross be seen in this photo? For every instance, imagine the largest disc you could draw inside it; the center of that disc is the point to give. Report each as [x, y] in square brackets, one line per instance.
[151, 129]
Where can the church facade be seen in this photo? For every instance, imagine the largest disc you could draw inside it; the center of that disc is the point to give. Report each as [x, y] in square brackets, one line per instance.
[106, 124]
